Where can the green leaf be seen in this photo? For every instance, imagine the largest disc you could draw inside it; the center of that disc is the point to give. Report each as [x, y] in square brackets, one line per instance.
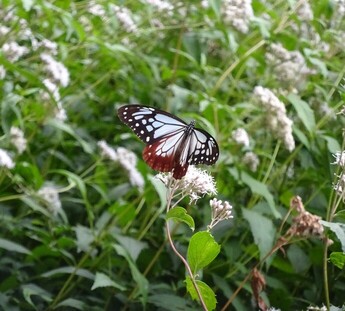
[72, 303]
[298, 258]
[305, 113]
[258, 188]
[169, 302]
[216, 6]
[338, 229]
[180, 214]
[207, 294]
[332, 144]
[13, 247]
[140, 280]
[192, 44]
[69, 270]
[262, 229]
[33, 290]
[202, 250]
[338, 259]
[102, 280]
[69, 130]
[161, 190]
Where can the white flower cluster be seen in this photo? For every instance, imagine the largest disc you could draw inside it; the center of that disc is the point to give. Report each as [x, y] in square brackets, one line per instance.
[277, 121]
[194, 184]
[340, 7]
[251, 160]
[289, 66]
[238, 13]
[127, 160]
[50, 195]
[13, 51]
[2, 72]
[6, 159]
[161, 5]
[125, 18]
[241, 137]
[339, 186]
[17, 139]
[304, 11]
[220, 211]
[96, 9]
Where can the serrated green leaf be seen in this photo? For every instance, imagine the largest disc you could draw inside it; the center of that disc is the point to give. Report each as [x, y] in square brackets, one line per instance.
[202, 250]
[207, 294]
[13, 247]
[305, 113]
[180, 214]
[102, 280]
[262, 229]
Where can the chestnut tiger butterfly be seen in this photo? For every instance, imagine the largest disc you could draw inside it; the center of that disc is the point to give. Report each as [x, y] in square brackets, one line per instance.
[171, 144]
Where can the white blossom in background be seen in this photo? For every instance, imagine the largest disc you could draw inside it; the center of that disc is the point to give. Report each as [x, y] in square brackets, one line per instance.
[339, 7]
[195, 183]
[304, 11]
[17, 139]
[50, 195]
[220, 211]
[238, 13]
[50, 46]
[6, 159]
[56, 69]
[161, 5]
[107, 151]
[2, 72]
[53, 89]
[251, 160]
[96, 9]
[240, 136]
[127, 159]
[125, 18]
[339, 159]
[204, 4]
[4, 30]
[289, 66]
[13, 51]
[276, 119]
[60, 114]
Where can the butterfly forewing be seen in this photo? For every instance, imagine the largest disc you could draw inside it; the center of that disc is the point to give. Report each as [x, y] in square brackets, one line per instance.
[150, 124]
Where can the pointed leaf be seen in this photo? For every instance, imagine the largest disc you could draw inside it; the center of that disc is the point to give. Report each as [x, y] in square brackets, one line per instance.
[202, 250]
[102, 280]
[207, 294]
[180, 214]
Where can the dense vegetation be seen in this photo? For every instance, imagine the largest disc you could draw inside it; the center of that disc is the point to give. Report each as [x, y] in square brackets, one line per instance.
[84, 219]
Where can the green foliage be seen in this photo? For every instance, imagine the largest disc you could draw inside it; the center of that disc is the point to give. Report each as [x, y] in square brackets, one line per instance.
[82, 216]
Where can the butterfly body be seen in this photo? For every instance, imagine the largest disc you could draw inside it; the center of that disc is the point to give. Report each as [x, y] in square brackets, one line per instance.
[171, 144]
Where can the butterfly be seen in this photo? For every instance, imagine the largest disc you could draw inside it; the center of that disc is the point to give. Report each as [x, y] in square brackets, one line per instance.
[171, 144]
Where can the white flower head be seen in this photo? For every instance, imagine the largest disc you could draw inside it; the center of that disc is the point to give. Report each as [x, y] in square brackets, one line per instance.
[96, 9]
[60, 114]
[251, 160]
[50, 195]
[241, 137]
[278, 122]
[339, 159]
[107, 151]
[125, 18]
[13, 51]
[304, 11]
[238, 13]
[2, 72]
[17, 139]
[195, 183]
[220, 211]
[161, 5]
[53, 89]
[56, 69]
[6, 159]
